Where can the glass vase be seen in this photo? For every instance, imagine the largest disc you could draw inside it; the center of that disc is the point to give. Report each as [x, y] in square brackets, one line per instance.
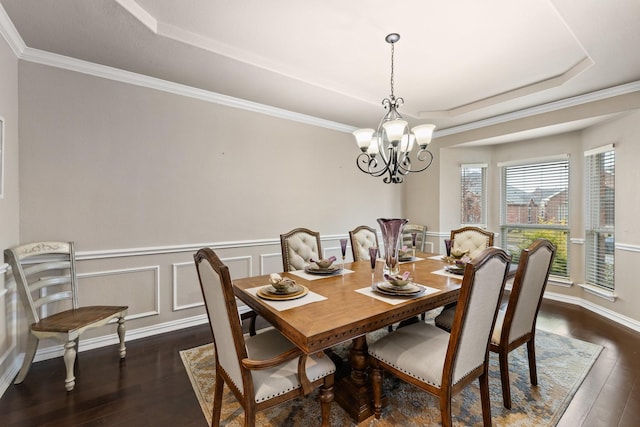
[391, 237]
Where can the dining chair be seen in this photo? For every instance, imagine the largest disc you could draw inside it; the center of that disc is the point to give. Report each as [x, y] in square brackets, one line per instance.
[263, 370]
[443, 363]
[298, 247]
[46, 279]
[471, 239]
[516, 325]
[362, 238]
[421, 236]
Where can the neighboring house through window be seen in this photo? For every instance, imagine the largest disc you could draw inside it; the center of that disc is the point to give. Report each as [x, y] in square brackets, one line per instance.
[473, 184]
[535, 204]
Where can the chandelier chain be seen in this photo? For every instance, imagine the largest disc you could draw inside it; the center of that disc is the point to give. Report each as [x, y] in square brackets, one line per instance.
[392, 50]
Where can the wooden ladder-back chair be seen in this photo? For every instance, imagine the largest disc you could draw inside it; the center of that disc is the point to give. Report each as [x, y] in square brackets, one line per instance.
[362, 238]
[443, 363]
[298, 247]
[421, 236]
[516, 325]
[471, 239]
[263, 370]
[45, 276]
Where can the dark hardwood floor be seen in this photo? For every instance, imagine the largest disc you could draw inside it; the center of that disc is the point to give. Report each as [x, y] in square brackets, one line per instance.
[151, 388]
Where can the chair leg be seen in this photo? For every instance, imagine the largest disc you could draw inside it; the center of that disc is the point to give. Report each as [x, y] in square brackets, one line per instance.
[484, 398]
[326, 397]
[217, 399]
[32, 346]
[69, 361]
[531, 352]
[121, 331]
[252, 325]
[376, 385]
[445, 410]
[503, 361]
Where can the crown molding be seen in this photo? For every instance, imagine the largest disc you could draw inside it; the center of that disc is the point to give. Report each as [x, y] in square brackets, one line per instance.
[10, 33]
[543, 108]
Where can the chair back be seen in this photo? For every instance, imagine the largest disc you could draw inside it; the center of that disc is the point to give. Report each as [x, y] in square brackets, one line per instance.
[45, 276]
[298, 247]
[222, 311]
[478, 303]
[362, 238]
[421, 236]
[528, 289]
[471, 239]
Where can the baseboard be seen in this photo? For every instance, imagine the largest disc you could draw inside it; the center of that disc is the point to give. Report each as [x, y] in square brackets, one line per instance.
[595, 308]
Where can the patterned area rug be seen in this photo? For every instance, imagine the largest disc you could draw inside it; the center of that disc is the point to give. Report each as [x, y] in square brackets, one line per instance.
[562, 363]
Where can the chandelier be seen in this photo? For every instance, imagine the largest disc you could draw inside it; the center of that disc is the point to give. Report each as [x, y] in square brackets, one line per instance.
[388, 149]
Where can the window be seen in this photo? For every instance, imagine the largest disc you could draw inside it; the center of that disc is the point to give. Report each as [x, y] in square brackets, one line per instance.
[600, 217]
[535, 204]
[473, 184]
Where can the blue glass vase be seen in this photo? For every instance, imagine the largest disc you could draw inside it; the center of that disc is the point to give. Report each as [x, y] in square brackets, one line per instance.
[391, 237]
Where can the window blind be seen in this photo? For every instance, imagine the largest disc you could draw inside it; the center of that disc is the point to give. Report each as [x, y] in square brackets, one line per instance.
[473, 184]
[535, 204]
[600, 217]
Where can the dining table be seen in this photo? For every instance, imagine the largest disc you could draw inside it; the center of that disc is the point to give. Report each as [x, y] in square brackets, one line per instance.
[346, 305]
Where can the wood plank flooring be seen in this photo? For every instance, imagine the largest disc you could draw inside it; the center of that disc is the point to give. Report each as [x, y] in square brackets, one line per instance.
[151, 388]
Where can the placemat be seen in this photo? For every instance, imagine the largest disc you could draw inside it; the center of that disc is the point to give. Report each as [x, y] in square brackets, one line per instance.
[285, 305]
[306, 276]
[394, 300]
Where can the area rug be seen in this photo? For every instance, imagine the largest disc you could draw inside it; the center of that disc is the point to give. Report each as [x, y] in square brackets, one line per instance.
[562, 363]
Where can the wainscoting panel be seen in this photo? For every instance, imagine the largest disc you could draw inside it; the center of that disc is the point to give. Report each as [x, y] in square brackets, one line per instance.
[185, 286]
[137, 287]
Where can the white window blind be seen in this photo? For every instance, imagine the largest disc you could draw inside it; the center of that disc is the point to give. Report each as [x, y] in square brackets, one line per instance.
[473, 184]
[600, 217]
[535, 204]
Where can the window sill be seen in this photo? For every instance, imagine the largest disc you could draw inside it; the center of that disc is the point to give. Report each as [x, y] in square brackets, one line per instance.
[597, 291]
[560, 281]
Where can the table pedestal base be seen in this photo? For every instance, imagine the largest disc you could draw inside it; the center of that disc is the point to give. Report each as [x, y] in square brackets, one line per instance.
[353, 391]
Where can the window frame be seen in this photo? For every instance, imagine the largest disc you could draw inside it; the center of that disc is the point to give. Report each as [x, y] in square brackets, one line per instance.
[558, 233]
[482, 223]
[599, 252]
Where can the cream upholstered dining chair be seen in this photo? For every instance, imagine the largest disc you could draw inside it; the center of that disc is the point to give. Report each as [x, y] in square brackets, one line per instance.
[471, 239]
[298, 247]
[362, 238]
[263, 370]
[443, 363]
[516, 325]
[45, 276]
[421, 236]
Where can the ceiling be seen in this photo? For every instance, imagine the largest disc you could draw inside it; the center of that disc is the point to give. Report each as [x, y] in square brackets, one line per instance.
[456, 63]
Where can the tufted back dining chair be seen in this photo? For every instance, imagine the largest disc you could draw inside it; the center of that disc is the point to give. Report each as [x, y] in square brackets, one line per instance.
[443, 363]
[262, 370]
[472, 239]
[298, 247]
[362, 238]
[516, 325]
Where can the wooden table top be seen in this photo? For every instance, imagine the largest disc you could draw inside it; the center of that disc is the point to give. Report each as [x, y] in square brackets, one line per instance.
[347, 314]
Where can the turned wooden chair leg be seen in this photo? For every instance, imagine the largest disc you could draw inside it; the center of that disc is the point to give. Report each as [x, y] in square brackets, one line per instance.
[326, 397]
[32, 346]
[121, 332]
[69, 357]
[376, 385]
